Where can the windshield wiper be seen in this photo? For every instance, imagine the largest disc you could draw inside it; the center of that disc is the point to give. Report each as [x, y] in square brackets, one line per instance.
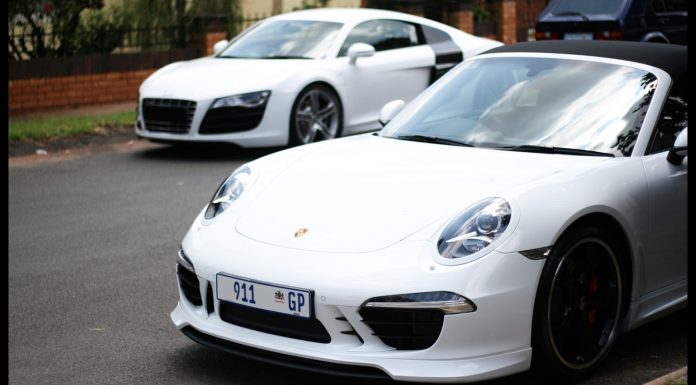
[573, 13]
[431, 139]
[554, 150]
[285, 57]
[264, 57]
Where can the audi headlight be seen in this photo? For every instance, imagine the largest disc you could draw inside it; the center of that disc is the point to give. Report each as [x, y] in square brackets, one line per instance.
[474, 229]
[250, 100]
[229, 191]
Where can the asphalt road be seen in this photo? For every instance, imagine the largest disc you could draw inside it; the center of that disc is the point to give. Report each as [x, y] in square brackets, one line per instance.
[92, 248]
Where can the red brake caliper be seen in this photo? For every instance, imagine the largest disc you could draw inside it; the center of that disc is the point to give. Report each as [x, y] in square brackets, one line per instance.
[593, 289]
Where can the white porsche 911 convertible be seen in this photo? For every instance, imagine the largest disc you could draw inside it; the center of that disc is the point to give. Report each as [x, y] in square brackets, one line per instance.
[521, 212]
[301, 77]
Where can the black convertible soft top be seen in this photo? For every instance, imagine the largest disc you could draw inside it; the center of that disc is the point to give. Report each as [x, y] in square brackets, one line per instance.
[669, 57]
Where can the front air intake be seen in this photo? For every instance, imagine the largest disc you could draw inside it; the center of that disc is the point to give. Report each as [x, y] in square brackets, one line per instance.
[188, 281]
[308, 329]
[404, 329]
[168, 115]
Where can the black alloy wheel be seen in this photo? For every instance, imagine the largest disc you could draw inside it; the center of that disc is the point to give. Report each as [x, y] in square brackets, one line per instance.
[578, 308]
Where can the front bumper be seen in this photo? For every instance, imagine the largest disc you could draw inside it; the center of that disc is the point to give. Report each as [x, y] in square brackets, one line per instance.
[491, 342]
[272, 130]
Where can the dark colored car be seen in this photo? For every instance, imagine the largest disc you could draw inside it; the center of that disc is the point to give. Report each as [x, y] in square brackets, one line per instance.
[661, 21]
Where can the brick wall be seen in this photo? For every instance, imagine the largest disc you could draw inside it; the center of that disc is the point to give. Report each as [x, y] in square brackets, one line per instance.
[60, 83]
[54, 93]
[507, 24]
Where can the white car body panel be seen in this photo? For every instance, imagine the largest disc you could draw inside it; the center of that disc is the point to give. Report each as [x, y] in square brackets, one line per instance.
[666, 185]
[374, 81]
[362, 87]
[404, 180]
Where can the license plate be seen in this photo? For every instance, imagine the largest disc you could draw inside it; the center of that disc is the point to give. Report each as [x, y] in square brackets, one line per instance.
[577, 36]
[265, 296]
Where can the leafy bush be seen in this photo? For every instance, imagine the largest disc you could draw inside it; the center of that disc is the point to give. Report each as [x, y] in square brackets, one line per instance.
[40, 28]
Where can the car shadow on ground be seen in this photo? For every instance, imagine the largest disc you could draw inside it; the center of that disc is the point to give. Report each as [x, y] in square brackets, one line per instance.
[639, 356]
[203, 152]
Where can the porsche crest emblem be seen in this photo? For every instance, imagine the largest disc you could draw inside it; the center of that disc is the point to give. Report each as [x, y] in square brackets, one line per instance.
[301, 232]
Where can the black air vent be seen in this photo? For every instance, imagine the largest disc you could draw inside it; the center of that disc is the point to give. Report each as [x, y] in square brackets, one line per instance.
[231, 119]
[188, 281]
[404, 329]
[168, 115]
[308, 329]
[209, 304]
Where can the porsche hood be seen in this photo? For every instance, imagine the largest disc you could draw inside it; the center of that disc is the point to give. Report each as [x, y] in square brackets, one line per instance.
[365, 193]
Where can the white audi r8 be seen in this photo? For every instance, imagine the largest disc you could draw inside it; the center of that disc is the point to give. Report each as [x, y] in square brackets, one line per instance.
[301, 77]
[521, 212]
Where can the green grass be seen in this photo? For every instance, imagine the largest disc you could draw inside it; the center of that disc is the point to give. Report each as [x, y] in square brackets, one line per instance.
[57, 127]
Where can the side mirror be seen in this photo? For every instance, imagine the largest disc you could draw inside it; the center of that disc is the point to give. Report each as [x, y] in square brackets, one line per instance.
[360, 50]
[219, 46]
[390, 110]
[677, 153]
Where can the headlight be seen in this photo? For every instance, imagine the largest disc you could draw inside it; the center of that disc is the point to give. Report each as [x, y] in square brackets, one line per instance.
[228, 192]
[250, 100]
[474, 229]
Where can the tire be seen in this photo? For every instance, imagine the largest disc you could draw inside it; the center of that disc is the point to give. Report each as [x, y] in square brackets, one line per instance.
[578, 306]
[316, 115]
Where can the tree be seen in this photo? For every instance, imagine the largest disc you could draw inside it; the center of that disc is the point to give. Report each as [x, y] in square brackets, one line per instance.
[180, 18]
[309, 4]
[55, 28]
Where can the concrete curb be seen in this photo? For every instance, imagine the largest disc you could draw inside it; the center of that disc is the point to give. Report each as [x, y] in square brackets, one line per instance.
[675, 375]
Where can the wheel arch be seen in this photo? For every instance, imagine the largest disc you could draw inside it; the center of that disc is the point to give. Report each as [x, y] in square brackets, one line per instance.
[655, 37]
[293, 140]
[329, 86]
[612, 226]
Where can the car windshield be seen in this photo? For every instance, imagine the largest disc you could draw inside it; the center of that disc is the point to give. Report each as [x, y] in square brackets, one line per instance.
[584, 7]
[285, 39]
[528, 103]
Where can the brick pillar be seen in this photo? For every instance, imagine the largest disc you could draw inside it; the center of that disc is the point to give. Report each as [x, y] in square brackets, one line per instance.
[209, 30]
[506, 11]
[416, 10]
[462, 17]
[212, 37]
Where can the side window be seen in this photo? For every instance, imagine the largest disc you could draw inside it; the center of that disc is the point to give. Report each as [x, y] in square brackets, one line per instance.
[435, 36]
[382, 34]
[658, 6]
[673, 117]
[675, 6]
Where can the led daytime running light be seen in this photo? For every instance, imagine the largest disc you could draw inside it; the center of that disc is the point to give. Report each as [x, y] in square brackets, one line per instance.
[250, 100]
